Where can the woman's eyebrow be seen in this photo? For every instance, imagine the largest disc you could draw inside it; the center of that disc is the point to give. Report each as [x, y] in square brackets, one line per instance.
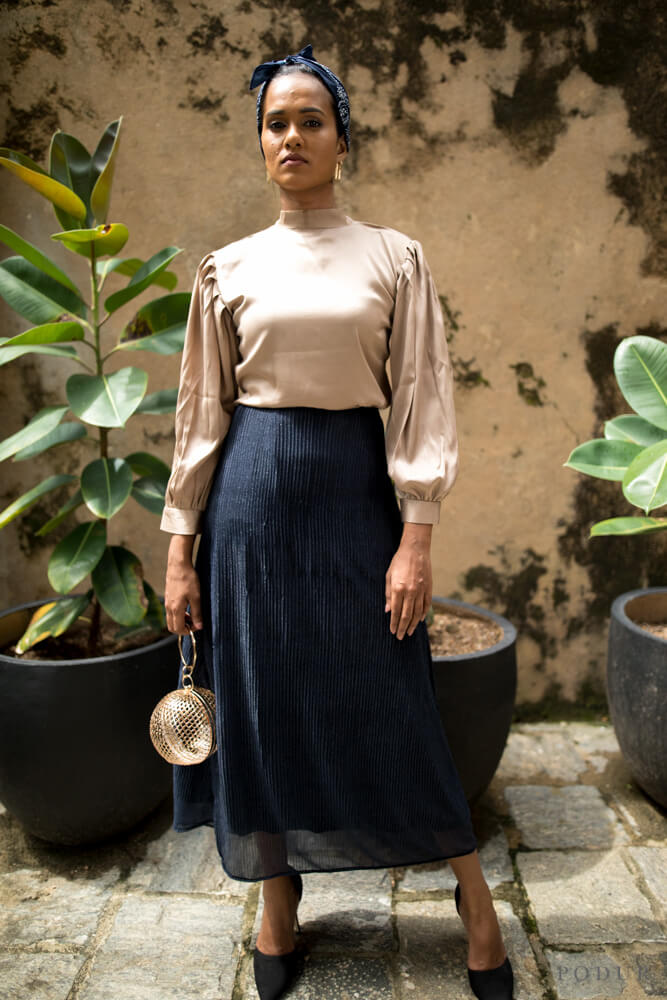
[303, 111]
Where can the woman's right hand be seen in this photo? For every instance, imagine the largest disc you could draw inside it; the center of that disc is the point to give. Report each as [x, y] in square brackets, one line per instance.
[181, 586]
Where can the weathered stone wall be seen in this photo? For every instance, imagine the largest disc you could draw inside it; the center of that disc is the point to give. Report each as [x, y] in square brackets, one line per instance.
[522, 142]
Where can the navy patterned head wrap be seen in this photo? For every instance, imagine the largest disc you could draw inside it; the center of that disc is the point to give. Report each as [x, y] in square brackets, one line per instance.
[264, 73]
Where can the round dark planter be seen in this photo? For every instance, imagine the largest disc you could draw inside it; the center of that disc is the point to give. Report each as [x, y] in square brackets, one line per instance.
[475, 694]
[637, 687]
[76, 761]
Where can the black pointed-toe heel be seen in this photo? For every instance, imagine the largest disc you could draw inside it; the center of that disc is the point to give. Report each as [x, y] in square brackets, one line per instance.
[489, 984]
[274, 974]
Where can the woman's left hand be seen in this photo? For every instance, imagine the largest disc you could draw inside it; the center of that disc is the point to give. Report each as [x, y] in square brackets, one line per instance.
[409, 581]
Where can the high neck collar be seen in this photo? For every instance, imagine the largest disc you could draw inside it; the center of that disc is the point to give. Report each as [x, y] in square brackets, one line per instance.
[312, 218]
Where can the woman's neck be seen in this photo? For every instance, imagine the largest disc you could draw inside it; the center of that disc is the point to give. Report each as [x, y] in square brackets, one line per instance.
[304, 201]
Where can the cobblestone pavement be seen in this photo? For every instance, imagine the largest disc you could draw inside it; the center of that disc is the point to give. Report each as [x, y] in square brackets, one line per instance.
[574, 853]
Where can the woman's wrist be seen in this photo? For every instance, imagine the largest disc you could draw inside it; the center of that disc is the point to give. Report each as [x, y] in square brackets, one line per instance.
[417, 535]
[181, 548]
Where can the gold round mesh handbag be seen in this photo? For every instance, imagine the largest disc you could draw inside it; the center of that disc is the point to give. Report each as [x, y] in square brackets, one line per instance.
[182, 726]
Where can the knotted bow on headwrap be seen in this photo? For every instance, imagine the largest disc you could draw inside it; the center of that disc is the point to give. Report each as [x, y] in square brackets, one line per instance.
[264, 73]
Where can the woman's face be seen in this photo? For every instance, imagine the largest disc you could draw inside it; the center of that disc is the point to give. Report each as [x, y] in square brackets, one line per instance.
[299, 134]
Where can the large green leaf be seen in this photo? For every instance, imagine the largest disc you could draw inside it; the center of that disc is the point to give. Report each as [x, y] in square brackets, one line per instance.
[107, 400]
[144, 464]
[47, 333]
[53, 619]
[640, 364]
[645, 482]
[108, 238]
[149, 493]
[105, 485]
[117, 581]
[158, 326]
[77, 555]
[29, 172]
[29, 498]
[629, 526]
[142, 279]
[154, 619]
[12, 353]
[42, 423]
[62, 434]
[36, 257]
[35, 295]
[630, 427]
[603, 459]
[156, 403]
[74, 501]
[104, 162]
[70, 163]
[129, 266]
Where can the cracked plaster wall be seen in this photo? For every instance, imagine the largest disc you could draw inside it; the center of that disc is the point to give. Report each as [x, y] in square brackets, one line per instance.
[524, 143]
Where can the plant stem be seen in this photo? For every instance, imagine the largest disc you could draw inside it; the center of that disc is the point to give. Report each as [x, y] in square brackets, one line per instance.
[94, 631]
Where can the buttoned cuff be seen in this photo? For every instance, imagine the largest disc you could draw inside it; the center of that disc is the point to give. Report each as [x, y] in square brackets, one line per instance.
[181, 522]
[420, 511]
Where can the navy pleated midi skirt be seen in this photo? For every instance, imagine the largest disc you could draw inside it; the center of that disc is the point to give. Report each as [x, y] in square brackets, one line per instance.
[331, 753]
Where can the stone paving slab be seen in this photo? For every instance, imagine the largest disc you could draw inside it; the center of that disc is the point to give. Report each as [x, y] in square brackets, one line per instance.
[49, 913]
[653, 864]
[345, 911]
[535, 754]
[37, 976]
[596, 744]
[185, 948]
[434, 952]
[494, 858]
[586, 975]
[185, 862]
[339, 977]
[570, 816]
[586, 897]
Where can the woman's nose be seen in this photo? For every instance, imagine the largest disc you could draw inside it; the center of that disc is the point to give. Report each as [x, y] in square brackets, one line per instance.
[293, 136]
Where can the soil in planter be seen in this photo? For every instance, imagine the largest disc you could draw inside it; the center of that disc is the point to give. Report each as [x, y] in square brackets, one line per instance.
[452, 634]
[73, 644]
[655, 628]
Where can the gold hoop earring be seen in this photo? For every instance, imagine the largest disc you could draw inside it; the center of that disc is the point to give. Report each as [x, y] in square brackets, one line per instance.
[338, 172]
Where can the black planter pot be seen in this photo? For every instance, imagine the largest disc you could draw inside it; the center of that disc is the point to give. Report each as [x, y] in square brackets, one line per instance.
[637, 687]
[475, 694]
[76, 761]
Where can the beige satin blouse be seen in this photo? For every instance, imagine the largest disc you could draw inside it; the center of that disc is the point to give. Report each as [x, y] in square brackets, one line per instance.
[306, 313]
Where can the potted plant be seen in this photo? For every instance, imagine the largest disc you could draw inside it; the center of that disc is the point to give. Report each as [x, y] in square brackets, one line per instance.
[80, 673]
[634, 453]
[474, 676]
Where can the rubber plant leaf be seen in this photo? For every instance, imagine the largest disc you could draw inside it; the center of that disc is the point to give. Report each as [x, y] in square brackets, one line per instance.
[159, 326]
[142, 278]
[29, 498]
[645, 482]
[128, 268]
[60, 196]
[640, 365]
[42, 423]
[144, 464]
[154, 618]
[62, 434]
[628, 526]
[47, 333]
[76, 555]
[603, 458]
[149, 493]
[630, 427]
[35, 295]
[117, 580]
[53, 619]
[70, 163]
[106, 484]
[76, 500]
[163, 401]
[107, 400]
[36, 257]
[104, 163]
[104, 239]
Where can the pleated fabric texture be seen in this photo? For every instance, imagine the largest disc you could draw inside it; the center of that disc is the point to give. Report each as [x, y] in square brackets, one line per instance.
[331, 753]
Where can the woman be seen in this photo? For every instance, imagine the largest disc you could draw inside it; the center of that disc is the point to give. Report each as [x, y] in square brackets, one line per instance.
[310, 587]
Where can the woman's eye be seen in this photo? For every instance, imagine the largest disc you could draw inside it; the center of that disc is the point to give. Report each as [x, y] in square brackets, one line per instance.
[313, 121]
[274, 126]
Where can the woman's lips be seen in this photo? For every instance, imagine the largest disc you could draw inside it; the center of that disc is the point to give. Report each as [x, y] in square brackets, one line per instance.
[293, 161]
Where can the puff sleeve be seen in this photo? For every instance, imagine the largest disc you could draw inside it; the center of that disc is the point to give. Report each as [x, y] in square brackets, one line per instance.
[206, 399]
[421, 442]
